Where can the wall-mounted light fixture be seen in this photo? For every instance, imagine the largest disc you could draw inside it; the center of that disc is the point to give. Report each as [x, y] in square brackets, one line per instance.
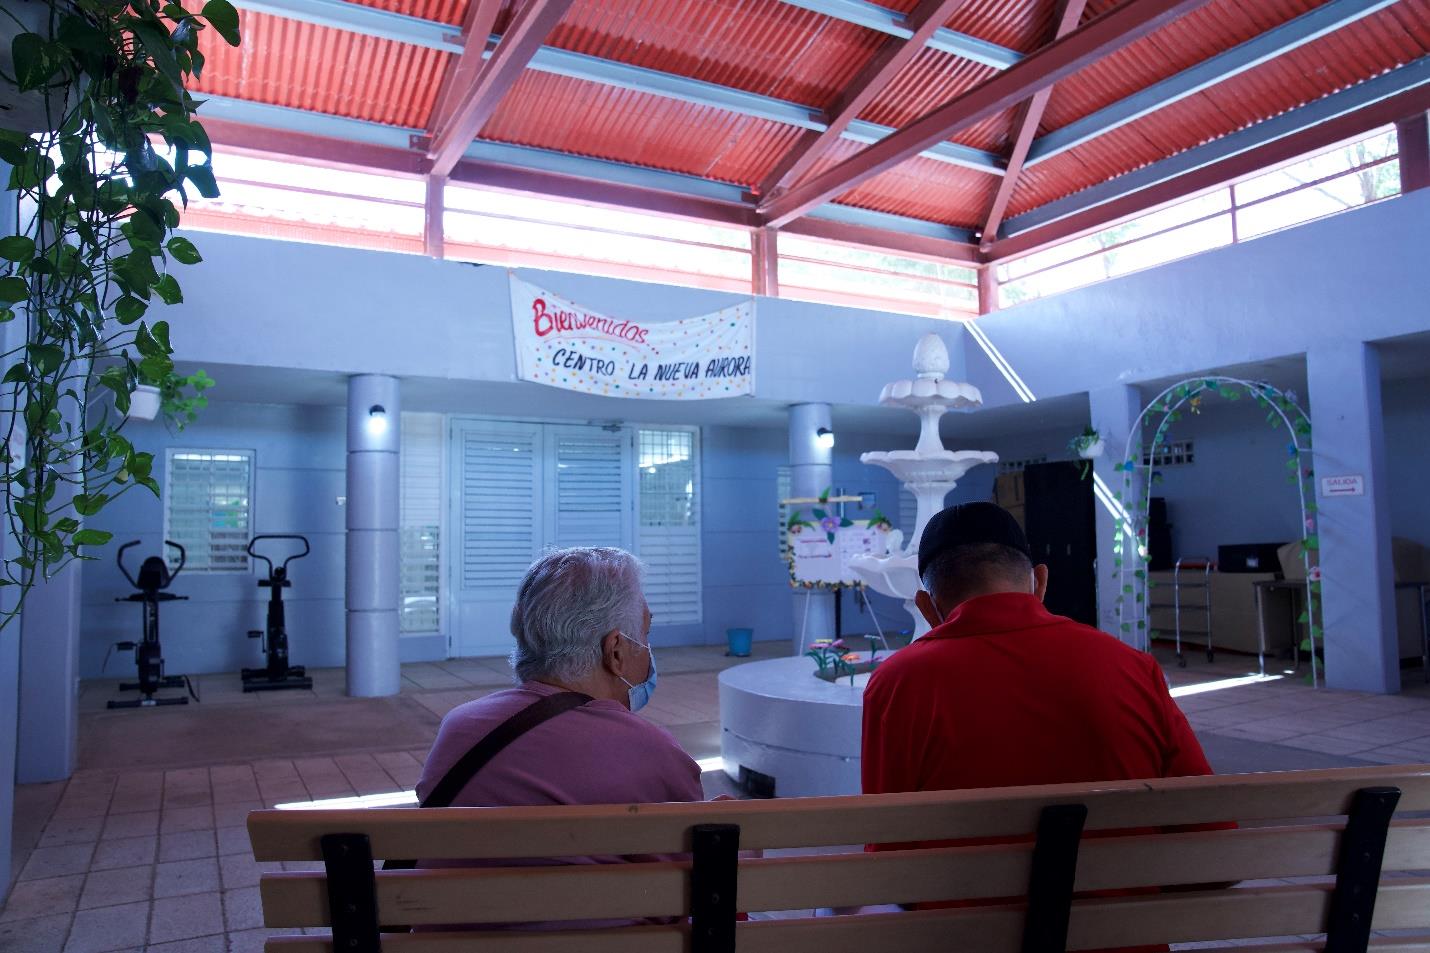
[824, 438]
[376, 420]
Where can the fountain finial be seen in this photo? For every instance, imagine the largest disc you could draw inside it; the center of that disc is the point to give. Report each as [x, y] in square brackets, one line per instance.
[931, 357]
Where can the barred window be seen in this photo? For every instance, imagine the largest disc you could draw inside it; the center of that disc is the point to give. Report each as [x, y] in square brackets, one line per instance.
[209, 506]
[420, 522]
[668, 483]
[1179, 453]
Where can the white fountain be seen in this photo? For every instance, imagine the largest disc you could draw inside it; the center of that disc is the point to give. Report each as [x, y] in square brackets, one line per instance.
[928, 471]
[783, 728]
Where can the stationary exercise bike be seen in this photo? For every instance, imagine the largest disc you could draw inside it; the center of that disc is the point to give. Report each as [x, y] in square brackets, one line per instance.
[154, 578]
[277, 674]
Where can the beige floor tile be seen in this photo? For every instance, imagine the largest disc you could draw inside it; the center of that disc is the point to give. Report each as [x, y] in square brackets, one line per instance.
[187, 845]
[47, 862]
[234, 840]
[108, 888]
[179, 820]
[108, 928]
[80, 830]
[214, 943]
[125, 852]
[242, 909]
[40, 898]
[40, 935]
[182, 877]
[138, 824]
[235, 814]
[238, 870]
[181, 918]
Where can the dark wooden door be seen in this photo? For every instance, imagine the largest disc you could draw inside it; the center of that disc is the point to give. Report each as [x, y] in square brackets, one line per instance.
[1062, 533]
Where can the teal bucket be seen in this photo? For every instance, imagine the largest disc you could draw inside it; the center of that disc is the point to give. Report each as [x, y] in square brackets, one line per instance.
[739, 642]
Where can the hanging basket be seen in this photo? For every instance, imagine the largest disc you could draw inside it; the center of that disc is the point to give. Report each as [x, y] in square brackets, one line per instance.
[144, 403]
[1093, 450]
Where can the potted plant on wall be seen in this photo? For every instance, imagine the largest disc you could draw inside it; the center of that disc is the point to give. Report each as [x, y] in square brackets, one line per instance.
[1088, 445]
[91, 86]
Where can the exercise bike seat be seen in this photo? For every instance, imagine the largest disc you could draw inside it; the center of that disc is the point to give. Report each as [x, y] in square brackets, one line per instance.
[146, 597]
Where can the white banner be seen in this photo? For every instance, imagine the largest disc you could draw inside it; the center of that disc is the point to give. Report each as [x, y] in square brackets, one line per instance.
[561, 344]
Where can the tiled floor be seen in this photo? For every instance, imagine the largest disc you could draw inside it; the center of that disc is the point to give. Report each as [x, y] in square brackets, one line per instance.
[154, 856]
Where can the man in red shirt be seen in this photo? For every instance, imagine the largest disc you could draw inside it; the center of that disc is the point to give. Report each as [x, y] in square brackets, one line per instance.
[1002, 692]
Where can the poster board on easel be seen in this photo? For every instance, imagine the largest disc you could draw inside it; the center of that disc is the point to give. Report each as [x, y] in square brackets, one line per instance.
[819, 544]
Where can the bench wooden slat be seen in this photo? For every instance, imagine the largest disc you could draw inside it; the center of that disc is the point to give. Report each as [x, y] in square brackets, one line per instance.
[496, 895]
[1095, 924]
[812, 822]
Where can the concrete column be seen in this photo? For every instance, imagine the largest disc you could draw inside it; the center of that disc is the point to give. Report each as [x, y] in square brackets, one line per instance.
[374, 415]
[49, 669]
[811, 472]
[49, 663]
[1358, 580]
[10, 635]
[1114, 412]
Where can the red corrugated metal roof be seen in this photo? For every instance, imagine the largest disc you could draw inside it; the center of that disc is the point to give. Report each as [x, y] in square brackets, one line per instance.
[1349, 56]
[776, 49]
[303, 66]
[605, 122]
[1184, 42]
[924, 188]
[764, 47]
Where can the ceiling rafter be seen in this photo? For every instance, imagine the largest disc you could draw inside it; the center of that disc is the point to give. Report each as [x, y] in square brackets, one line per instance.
[873, 79]
[1113, 30]
[1025, 127]
[470, 106]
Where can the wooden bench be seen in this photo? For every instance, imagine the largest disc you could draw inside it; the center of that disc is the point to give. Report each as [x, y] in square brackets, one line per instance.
[1318, 835]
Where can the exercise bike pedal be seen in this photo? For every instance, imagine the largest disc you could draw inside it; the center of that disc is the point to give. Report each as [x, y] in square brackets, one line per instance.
[255, 633]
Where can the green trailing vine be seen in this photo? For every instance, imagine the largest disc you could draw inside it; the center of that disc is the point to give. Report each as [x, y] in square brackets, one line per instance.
[96, 205]
[1134, 498]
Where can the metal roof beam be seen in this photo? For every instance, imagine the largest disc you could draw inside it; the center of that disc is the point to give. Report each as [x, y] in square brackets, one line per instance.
[1111, 31]
[874, 17]
[355, 18]
[369, 21]
[876, 74]
[1413, 75]
[471, 107]
[1025, 127]
[1269, 45]
[1318, 125]
[259, 129]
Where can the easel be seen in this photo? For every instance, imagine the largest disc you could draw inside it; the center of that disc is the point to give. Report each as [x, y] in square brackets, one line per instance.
[838, 590]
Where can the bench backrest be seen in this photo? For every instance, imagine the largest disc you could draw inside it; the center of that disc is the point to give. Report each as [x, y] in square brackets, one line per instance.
[1328, 825]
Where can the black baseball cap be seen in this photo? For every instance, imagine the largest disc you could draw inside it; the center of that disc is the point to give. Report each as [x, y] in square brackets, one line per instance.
[969, 524]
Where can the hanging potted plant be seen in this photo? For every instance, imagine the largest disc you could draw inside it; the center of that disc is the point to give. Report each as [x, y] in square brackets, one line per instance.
[96, 205]
[1089, 444]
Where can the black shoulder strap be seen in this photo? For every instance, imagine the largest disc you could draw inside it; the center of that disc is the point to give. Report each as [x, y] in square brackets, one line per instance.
[496, 740]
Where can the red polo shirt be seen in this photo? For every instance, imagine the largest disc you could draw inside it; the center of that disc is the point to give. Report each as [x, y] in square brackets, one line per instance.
[1005, 693]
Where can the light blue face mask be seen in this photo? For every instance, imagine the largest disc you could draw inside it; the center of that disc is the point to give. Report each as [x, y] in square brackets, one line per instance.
[640, 694]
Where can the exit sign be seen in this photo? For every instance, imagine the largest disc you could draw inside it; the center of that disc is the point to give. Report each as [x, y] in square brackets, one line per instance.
[1352, 485]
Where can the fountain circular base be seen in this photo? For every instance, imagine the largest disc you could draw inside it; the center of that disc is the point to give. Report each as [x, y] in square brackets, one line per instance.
[780, 720]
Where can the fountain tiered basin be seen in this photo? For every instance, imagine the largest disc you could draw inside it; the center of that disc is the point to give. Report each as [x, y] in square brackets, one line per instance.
[785, 731]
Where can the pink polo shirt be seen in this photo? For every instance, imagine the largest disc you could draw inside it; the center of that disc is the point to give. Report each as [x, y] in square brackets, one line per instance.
[600, 753]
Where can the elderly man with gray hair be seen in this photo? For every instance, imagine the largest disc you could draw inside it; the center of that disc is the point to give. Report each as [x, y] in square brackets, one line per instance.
[568, 733]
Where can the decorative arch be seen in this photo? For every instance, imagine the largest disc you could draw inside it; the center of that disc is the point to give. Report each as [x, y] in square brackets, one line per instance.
[1130, 548]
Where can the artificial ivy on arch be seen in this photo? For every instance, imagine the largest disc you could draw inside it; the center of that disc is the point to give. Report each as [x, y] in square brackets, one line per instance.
[1130, 561]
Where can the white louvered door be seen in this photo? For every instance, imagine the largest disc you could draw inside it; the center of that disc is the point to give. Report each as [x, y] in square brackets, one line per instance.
[520, 488]
[589, 500]
[498, 505]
